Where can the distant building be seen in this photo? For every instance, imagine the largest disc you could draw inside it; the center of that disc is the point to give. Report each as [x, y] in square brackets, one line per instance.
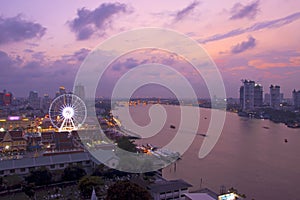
[296, 99]
[258, 95]
[1, 98]
[251, 95]
[46, 102]
[79, 91]
[62, 90]
[275, 96]
[282, 98]
[34, 100]
[5, 98]
[267, 99]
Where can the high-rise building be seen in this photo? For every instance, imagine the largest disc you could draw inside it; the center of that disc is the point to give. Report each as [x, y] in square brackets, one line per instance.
[62, 90]
[79, 91]
[7, 98]
[275, 96]
[1, 98]
[258, 95]
[267, 99]
[296, 99]
[247, 95]
[46, 102]
[34, 100]
[251, 95]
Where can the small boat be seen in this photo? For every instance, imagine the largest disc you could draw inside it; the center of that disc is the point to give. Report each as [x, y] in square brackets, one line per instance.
[266, 127]
[172, 127]
[285, 140]
[202, 134]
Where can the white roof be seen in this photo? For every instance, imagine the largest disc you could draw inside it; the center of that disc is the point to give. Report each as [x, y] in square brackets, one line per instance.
[198, 196]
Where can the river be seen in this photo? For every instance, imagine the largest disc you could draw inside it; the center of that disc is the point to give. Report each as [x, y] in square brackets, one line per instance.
[259, 158]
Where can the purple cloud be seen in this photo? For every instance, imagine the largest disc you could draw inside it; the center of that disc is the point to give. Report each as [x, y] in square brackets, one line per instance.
[255, 27]
[186, 11]
[243, 46]
[88, 22]
[16, 29]
[77, 55]
[28, 51]
[239, 11]
[46, 76]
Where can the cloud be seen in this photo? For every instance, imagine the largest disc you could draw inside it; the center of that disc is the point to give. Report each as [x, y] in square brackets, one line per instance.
[239, 11]
[28, 51]
[243, 46]
[45, 76]
[16, 29]
[255, 27]
[186, 11]
[77, 55]
[88, 22]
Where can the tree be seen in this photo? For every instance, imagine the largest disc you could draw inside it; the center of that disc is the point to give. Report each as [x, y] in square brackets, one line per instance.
[127, 190]
[28, 189]
[73, 173]
[87, 183]
[41, 176]
[126, 144]
[100, 170]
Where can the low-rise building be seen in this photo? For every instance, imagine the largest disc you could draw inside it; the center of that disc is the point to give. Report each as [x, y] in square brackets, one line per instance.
[162, 189]
[12, 141]
[54, 162]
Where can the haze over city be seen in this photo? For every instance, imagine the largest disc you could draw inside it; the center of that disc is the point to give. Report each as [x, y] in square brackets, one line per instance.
[43, 43]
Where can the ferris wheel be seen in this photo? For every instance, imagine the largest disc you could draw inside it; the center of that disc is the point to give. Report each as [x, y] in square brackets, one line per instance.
[67, 112]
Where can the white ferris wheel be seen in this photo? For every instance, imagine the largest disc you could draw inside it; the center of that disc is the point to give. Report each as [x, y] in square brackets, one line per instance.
[67, 112]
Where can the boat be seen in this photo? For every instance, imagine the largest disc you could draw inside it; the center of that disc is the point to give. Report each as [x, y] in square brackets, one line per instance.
[266, 127]
[172, 126]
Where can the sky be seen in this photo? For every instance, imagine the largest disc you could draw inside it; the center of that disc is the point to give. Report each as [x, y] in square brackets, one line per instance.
[43, 43]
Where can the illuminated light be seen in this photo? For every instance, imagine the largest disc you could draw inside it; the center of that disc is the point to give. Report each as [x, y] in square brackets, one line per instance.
[230, 196]
[2, 120]
[12, 118]
[7, 147]
[2, 129]
[25, 119]
[68, 112]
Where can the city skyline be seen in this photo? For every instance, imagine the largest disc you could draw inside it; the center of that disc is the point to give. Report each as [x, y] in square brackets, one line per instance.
[41, 50]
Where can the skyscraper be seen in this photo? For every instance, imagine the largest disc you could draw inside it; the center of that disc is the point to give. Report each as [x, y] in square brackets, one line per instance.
[258, 95]
[251, 95]
[46, 102]
[34, 100]
[6, 98]
[62, 90]
[267, 99]
[296, 99]
[247, 95]
[79, 91]
[275, 96]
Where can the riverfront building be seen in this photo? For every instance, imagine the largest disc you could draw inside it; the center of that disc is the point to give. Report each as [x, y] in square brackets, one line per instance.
[251, 95]
[275, 96]
[296, 99]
